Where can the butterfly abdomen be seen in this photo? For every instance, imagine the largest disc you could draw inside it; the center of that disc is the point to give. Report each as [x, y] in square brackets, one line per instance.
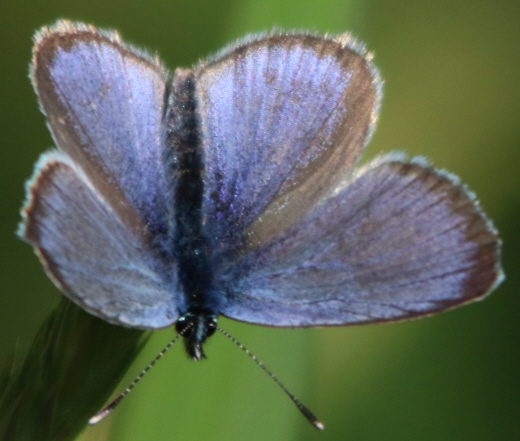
[184, 145]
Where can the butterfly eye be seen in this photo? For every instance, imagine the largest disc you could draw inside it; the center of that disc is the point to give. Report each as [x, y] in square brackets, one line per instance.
[212, 327]
[184, 325]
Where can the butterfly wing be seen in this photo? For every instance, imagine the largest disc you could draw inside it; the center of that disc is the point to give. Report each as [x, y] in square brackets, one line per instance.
[89, 252]
[284, 118]
[98, 212]
[104, 104]
[399, 241]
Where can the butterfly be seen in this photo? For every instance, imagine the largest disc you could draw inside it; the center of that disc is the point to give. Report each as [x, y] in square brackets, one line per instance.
[233, 189]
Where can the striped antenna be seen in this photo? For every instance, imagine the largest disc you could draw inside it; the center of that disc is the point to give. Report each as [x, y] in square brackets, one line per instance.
[305, 412]
[103, 413]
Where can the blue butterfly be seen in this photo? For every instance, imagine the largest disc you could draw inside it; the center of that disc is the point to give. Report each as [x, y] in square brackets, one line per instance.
[232, 189]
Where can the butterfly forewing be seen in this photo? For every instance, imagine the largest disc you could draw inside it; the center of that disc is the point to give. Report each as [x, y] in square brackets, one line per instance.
[104, 104]
[284, 118]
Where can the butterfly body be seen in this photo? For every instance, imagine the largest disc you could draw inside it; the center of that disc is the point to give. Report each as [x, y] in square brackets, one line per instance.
[192, 252]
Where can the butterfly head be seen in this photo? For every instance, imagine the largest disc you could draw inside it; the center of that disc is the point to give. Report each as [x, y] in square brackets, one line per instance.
[196, 328]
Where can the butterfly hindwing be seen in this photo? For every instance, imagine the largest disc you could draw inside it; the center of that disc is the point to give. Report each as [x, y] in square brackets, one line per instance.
[399, 241]
[88, 251]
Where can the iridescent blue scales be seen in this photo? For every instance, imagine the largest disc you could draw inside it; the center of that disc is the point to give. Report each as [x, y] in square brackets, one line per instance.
[232, 189]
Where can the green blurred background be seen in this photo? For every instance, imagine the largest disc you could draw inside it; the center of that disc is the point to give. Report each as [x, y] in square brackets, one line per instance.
[452, 93]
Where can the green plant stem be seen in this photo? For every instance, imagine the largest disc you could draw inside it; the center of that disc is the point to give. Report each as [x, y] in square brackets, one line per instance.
[72, 367]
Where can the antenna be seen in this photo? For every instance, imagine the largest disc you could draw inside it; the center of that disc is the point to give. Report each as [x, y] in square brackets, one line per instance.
[103, 413]
[306, 412]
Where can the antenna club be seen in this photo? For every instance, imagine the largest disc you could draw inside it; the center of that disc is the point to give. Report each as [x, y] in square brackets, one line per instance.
[100, 416]
[319, 425]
